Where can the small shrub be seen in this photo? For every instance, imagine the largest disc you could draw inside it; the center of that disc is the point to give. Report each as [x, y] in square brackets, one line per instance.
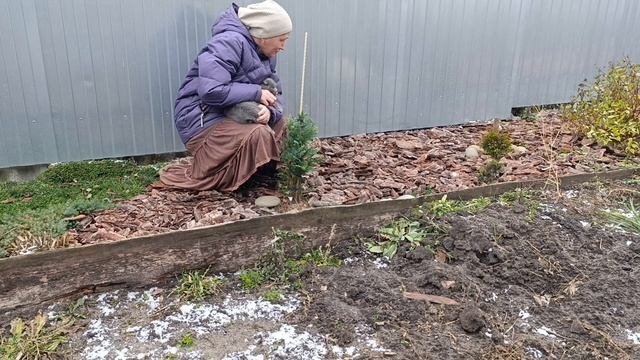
[298, 156]
[608, 110]
[496, 144]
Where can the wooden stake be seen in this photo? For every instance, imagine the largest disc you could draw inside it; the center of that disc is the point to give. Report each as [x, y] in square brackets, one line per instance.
[304, 65]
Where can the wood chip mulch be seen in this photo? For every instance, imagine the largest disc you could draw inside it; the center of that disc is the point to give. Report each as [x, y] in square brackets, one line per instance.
[364, 168]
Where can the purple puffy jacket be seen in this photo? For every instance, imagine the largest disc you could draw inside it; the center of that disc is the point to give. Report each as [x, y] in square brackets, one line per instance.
[226, 72]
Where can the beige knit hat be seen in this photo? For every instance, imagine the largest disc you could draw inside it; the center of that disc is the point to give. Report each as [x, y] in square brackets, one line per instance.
[266, 19]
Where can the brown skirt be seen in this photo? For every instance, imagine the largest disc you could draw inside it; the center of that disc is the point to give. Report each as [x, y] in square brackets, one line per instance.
[225, 156]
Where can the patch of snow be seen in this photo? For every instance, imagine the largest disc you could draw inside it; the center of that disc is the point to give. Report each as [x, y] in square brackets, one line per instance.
[493, 297]
[340, 352]
[132, 295]
[104, 305]
[245, 355]
[634, 337]
[546, 208]
[148, 355]
[149, 299]
[545, 331]
[194, 355]
[379, 263]
[122, 354]
[534, 353]
[171, 350]
[350, 260]
[585, 224]
[362, 335]
[524, 315]
[97, 338]
[288, 343]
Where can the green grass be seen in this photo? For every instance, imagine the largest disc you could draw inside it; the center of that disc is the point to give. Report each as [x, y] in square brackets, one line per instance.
[252, 279]
[523, 197]
[186, 341]
[35, 339]
[439, 208]
[286, 262]
[273, 296]
[628, 221]
[197, 285]
[38, 207]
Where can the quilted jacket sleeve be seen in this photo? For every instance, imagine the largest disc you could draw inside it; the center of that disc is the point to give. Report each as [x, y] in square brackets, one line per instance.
[216, 67]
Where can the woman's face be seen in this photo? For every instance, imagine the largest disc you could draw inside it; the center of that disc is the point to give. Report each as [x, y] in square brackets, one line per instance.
[272, 46]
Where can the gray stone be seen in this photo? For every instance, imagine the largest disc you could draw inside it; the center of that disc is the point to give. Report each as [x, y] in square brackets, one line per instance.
[472, 153]
[518, 150]
[267, 201]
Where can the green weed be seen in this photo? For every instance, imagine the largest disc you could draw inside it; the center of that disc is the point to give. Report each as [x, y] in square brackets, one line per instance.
[196, 286]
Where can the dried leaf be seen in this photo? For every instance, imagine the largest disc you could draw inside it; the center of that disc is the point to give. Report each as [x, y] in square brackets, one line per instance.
[542, 300]
[441, 256]
[430, 298]
[447, 284]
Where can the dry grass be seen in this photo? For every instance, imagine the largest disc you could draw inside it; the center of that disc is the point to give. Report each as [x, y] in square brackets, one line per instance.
[28, 243]
[550, 142]
[35, 339]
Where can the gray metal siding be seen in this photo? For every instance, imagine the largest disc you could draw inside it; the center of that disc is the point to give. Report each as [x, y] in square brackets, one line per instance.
[84, 79]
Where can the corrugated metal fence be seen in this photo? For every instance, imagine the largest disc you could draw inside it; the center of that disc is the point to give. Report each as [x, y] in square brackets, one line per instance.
[82, 79]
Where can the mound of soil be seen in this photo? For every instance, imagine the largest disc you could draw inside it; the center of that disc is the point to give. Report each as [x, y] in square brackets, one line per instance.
[560, 285]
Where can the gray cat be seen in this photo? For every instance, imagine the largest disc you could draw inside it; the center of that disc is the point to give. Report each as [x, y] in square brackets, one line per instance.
[247, 111]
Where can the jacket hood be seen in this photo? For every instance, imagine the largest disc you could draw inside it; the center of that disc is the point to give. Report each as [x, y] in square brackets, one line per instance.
[229, 21]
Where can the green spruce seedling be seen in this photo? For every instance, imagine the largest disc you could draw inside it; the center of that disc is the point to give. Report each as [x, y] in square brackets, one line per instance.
[299, 157]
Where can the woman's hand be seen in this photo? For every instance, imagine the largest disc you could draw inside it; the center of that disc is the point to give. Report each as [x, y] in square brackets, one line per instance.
[267, 98]
[263, 115]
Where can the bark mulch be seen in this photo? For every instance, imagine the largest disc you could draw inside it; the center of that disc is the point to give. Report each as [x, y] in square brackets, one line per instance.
[364, 168]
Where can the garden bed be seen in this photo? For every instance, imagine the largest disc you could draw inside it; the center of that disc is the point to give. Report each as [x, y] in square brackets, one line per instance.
[526, 275]
[364, 168]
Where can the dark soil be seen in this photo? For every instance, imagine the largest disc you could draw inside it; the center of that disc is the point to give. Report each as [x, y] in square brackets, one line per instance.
[544, 287]
[545, 277]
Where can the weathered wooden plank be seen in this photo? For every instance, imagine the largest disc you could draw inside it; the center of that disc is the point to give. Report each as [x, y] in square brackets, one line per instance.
[43, 277]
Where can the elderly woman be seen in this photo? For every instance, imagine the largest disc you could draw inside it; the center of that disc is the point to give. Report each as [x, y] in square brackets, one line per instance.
[240, 56]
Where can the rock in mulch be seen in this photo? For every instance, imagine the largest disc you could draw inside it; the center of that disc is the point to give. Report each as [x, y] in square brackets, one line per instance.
[472, 152]
[267, 201]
